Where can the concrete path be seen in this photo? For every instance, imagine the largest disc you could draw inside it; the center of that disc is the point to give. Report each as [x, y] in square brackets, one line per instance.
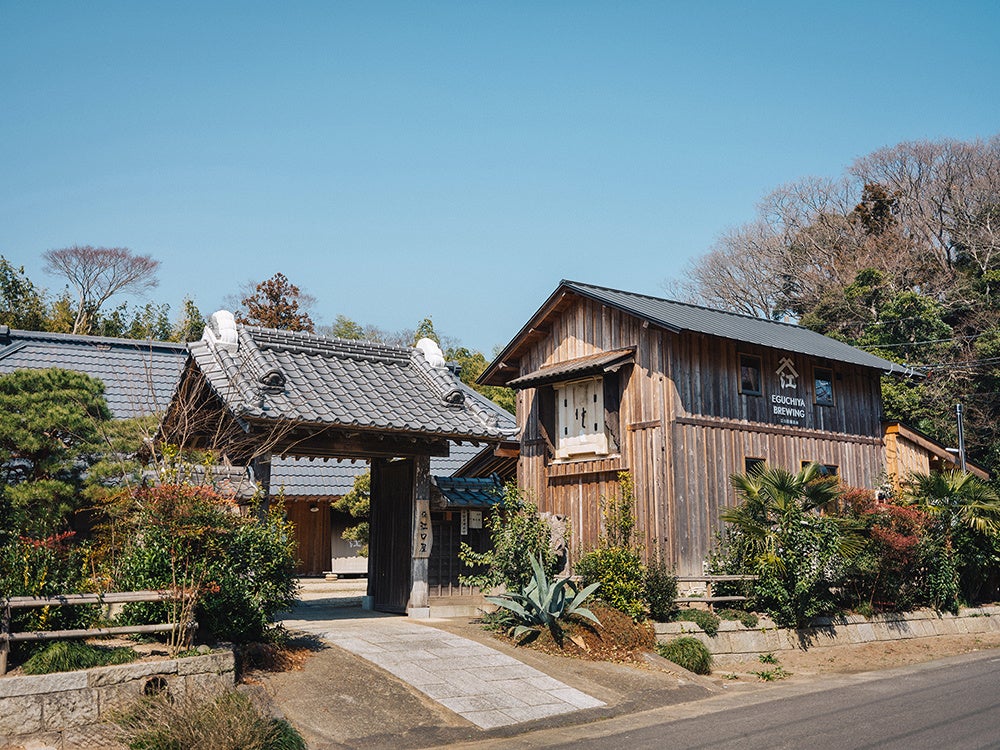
[482, 685]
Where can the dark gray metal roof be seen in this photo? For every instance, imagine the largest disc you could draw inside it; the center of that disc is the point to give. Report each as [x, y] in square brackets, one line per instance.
[326, 381]
[680, 316]
[139, 376]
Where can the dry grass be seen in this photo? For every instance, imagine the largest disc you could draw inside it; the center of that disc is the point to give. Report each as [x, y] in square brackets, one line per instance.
[233, 721]
[276, 657]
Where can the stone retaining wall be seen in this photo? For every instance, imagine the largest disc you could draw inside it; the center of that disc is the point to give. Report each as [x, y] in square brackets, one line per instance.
[69, 710]
[736, 640]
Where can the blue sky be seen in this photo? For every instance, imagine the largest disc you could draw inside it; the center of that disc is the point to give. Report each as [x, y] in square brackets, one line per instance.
[456, 159]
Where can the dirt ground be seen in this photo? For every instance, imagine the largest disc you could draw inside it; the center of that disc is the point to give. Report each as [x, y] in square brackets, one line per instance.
[862, 657]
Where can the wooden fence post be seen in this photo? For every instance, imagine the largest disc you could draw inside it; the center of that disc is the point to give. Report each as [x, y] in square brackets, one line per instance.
[4, 636]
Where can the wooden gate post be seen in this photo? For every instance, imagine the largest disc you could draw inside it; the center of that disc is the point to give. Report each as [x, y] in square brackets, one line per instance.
[419, 603]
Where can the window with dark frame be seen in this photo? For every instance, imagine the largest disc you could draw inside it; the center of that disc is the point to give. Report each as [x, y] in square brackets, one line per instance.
[823, 380]
[750, 381]
[825, 470]
[753, 465]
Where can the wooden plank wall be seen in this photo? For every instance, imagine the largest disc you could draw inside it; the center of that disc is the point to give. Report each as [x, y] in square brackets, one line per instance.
[685, 428]
[705, 457]
[575, 489]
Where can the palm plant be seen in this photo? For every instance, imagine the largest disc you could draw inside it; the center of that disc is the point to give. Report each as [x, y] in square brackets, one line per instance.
[955, 499]
[543, 603]
[777, 534]
[771, 498]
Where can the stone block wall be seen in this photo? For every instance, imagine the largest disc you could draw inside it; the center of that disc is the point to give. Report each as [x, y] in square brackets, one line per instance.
[733, 639]
[70, 710]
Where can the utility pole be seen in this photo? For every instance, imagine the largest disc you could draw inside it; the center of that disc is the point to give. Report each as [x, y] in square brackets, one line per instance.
[961, 437]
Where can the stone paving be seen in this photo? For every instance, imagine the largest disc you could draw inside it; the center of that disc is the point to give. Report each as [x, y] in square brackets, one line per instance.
[487, 687]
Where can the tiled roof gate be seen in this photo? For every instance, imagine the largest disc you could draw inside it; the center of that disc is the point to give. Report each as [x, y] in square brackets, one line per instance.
[260, 392]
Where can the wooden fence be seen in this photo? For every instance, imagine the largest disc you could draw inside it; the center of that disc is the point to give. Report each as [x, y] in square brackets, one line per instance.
[708, 581]
[33, 602]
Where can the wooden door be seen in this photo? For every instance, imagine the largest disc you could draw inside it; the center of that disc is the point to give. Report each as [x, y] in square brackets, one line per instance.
[312, 535]
[391, 534]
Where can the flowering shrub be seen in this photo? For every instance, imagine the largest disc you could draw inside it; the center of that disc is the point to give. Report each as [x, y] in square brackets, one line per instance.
[239, 570]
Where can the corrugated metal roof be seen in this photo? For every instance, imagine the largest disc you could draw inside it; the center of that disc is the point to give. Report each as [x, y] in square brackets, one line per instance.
[680, 316]
[345, 383]
[139, 376]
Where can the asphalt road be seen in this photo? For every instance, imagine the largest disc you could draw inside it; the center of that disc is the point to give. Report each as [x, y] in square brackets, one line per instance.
[953, 703]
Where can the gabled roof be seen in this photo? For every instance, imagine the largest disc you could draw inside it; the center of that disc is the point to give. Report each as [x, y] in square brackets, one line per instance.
[139, 376]
[305, 379]
[682, 317]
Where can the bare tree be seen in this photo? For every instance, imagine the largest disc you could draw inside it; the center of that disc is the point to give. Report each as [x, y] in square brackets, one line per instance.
[98, 273]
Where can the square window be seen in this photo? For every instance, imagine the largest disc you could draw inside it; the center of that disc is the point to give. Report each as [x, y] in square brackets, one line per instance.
[750, 382]
[823, 380]
[753, 465]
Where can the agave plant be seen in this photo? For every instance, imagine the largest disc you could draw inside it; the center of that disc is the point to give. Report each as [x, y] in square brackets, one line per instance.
[543, 603]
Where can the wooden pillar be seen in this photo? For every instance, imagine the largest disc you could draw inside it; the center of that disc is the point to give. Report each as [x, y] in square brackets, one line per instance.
[261, 466]
[419, 602]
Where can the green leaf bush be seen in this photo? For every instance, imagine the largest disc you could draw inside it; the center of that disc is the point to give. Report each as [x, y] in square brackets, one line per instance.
[621, 575]
[518, 536]
[707, 621]
[67, 656]
[242, 568]
[687, 652]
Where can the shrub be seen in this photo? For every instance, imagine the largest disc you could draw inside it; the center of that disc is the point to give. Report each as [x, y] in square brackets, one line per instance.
[660, 590]
[621, 575]
[67, 656]
[518, 536]
[230, 722]
[798, 556]
[707, 621]
[240, 569]
[687, 652]
[616, 563]
[746, 619]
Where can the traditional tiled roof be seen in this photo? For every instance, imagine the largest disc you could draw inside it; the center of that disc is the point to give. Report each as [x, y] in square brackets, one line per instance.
[682, 317]
[335, 477]
[310, 379]
[470, 492]
[139, 376]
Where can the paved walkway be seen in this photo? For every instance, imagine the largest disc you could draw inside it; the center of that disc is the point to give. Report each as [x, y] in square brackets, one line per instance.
[487, 687]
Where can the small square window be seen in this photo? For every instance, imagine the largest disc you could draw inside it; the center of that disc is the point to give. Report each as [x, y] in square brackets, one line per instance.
[753, 465]
[825, 470]
[750, 383]
[823, 380]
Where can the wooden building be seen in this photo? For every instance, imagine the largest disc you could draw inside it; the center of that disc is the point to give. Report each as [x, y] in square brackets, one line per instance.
[682, 397]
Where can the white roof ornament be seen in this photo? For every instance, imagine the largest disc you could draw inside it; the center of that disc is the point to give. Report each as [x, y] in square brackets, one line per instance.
[432, 352]
[221, 331]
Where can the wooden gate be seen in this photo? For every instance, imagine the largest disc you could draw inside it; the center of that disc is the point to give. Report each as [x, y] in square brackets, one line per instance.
[391, 534]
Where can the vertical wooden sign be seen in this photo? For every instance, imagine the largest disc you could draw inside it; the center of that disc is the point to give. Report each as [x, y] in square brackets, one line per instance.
[422, 539]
